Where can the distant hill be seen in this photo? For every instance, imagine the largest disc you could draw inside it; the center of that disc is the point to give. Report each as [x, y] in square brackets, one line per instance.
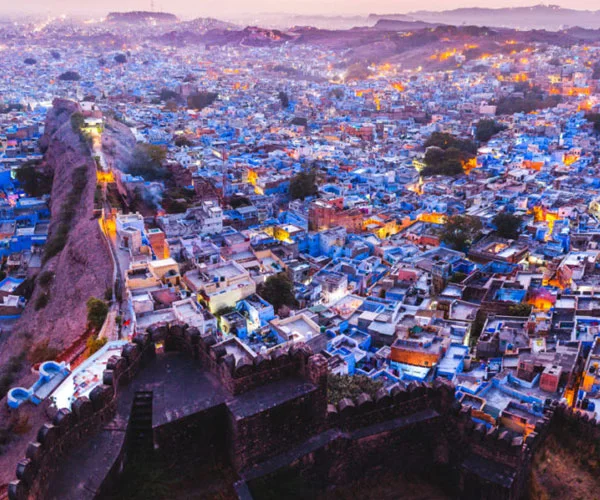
[550, 17]
[373, 18]
[134, 17]
[401, 25]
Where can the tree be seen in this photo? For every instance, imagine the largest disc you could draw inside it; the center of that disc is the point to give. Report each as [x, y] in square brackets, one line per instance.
[171, 106]
[147, 162]
[444, 140]
[555, 61]
[201, 100]
[446, 154]
[459, 231]
[30, 61]
[350, 386]
[337, 92]
[97, 310]
[285, 100]
[278, 290]
[121, 58]
[182, 140]
[595, 119]
[34, 181]
[239, 201]
[487, 128]
[167, 95]
[533, 99]
[69, 76]
[508, 225]
[519, 310]
[302, 185]
[94, 344]
[55, 54]
[440, 162]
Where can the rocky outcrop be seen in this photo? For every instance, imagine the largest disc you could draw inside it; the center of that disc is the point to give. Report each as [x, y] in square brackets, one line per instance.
[83, 268]
[118, 144]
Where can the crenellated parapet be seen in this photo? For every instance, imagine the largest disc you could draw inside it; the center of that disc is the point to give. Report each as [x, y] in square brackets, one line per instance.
[365, 410]
[67, 428]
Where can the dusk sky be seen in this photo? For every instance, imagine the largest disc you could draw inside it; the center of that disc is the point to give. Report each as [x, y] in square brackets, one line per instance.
[192, 8]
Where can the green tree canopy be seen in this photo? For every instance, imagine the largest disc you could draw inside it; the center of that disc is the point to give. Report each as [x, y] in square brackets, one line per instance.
[519, 310]
[97, 310]
[303, 184]
[350, 386]
[34, 181]
[487, 128]
[278, 290]
[69, 76]
[444, 140]
[147, 162]
[508, 225]
[460, 231]
[446, 154]
[595, 119]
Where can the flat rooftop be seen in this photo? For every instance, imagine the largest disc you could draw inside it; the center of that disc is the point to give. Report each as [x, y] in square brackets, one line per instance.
[86, 376]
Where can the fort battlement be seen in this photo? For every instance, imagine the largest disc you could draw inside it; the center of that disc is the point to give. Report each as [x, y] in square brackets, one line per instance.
[350, 414]
[67, 428]
[237, 375]
[275, 408]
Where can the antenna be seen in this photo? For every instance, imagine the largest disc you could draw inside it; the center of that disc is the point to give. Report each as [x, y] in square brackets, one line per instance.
[151, 5]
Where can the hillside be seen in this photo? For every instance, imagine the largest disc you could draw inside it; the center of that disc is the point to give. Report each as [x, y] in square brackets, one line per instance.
[550, 17]
[141, 17]
[83, 268]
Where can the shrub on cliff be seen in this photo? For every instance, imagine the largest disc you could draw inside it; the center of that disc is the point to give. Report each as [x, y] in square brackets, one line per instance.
[42, 352]
[94, 344]
[97, 310]
[42, 301]
[58, 239]
[45, 278]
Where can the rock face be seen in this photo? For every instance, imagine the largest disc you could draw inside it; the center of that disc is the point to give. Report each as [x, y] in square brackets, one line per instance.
[118, 144]
[84, 267]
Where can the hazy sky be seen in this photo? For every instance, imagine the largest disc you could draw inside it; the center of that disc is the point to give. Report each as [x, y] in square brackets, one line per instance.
[192, 8]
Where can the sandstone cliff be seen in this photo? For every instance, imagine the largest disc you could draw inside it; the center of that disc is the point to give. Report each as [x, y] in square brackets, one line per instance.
[82, 269]
[118, 144]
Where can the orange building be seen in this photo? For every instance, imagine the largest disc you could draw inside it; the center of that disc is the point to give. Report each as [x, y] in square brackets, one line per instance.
[417, 352]
[158, 243]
